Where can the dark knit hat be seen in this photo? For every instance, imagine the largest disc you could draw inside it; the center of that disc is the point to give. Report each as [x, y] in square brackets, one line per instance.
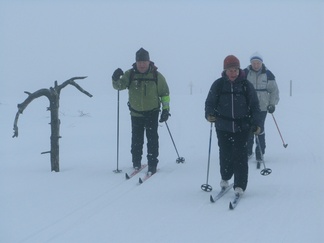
[231, 62]
[142, 55]
[256, 56]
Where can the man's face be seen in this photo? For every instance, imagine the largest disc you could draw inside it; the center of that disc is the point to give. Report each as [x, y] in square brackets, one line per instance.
[142, 66]
[256, 65]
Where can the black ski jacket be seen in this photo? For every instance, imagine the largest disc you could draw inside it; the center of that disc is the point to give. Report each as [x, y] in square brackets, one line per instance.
[234, 104]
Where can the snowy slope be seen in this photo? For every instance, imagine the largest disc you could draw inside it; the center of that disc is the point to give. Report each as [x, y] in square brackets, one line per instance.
[86, 201]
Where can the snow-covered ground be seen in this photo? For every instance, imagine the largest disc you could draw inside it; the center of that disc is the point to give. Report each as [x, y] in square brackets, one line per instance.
[86, 201]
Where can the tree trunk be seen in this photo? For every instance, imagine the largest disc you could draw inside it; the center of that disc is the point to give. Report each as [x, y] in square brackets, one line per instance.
[55, 132]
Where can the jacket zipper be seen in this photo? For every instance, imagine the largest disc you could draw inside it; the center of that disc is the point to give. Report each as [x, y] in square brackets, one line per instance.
[145, 88]
[232, 97]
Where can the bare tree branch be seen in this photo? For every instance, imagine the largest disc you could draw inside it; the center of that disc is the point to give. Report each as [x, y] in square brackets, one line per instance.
[71, 82]
[31, 96]
[22, 106]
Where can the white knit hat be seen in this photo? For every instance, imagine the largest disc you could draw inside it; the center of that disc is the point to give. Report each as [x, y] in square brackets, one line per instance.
[256, 56]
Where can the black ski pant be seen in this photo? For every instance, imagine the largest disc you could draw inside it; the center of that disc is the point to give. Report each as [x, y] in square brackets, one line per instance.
[261, 139]
[147, 124]
[233, 157]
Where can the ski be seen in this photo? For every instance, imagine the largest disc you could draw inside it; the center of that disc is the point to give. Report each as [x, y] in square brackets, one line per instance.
[147, 176]
[234, 203]
[135, 172]
[221, 193]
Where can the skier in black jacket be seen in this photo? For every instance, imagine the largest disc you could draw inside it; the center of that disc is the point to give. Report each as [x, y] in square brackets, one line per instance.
[232, 104]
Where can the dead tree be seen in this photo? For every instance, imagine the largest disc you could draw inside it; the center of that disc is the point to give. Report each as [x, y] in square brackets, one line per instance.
[53, 94]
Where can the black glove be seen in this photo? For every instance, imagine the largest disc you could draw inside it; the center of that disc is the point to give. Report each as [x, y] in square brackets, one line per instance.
[271, 108]
[116, 75]
[211, 118]
[255, 129]
[164, 115]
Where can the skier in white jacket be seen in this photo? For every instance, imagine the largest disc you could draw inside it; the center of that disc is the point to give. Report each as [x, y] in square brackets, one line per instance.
[266, 86]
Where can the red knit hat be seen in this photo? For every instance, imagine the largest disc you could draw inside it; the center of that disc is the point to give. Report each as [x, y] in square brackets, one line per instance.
[231, 62]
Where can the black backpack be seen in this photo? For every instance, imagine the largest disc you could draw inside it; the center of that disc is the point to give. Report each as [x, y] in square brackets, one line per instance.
[219, 90]
[155, 74]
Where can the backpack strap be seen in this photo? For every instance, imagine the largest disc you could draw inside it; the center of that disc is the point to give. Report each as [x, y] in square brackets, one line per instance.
[144, 113]
[219, 92]
[219, 89]
[155, 79]
[270, 75]
[154, 70]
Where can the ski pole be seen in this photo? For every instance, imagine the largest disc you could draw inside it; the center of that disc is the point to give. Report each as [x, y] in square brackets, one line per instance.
[266, 171]
[117, 169]
[206, 187]
[283, 143]
[179, 159]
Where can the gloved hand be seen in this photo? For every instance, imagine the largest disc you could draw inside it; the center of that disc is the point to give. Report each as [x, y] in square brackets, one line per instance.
[211, 118]
[271, 108]
[256, 130]
[116, 75]
[164, 115]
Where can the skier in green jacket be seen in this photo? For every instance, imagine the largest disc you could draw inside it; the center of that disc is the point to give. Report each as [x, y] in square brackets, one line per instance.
[147, 91]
